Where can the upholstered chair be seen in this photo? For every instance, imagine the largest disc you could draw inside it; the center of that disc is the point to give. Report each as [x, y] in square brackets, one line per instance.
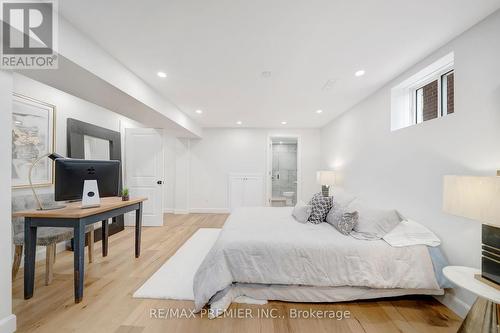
[46, 236]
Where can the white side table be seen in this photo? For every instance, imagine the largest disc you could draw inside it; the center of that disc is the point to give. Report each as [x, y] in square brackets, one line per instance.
[485, 313]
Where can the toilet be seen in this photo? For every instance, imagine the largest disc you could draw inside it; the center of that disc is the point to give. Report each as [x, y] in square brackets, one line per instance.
[289, 198]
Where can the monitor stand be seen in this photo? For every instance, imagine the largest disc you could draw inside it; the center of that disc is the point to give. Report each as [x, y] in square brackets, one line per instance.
[90, 196]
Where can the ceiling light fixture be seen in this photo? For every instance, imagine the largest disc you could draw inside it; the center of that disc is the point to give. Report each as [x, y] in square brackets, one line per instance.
[162, 74]
[359, 73]
[284, 123]
[266, 74]
[239, 122]
[319, 111]
[199, 111]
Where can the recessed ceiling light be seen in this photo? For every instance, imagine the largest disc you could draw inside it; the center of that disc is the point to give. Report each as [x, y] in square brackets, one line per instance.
[239, 122]
[319, 111]
[359, 73]
[162, 74]
[266, 74]
[199, 111]
[284, 123]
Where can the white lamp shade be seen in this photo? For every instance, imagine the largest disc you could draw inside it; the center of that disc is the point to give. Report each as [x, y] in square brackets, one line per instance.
[477, 198]
[325, 177]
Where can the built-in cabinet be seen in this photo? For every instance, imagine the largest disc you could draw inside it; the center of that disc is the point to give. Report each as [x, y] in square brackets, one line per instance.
[246, 190]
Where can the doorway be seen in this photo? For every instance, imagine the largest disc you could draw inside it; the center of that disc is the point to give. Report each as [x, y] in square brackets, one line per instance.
[283, 171]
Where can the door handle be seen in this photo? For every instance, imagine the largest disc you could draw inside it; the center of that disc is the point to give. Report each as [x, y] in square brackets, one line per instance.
[159, 182]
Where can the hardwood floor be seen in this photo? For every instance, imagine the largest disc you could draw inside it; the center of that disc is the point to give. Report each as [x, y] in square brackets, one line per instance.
[108, 305]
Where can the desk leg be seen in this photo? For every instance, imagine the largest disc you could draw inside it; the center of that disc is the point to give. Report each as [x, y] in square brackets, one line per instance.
[138, 227]
[29, 257]
[105, 234]
[79, 258]
[482, 318]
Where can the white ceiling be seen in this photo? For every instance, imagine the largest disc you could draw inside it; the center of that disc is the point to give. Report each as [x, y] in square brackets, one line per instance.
[215, 51]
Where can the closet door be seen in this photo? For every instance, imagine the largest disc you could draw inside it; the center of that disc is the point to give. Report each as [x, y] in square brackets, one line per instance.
[245, 190]
[236, 192]
[253, 195]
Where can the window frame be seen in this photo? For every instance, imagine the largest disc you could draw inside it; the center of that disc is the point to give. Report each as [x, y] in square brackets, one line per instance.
[438, 76]
[444, 92]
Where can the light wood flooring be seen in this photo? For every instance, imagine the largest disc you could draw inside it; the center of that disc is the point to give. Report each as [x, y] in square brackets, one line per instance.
[108, 305]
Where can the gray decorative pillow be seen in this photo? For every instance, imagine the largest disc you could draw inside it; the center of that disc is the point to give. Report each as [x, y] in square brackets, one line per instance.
[343, 221]
[320, 207]
[301, 212]
[373, 223]
[341, 196]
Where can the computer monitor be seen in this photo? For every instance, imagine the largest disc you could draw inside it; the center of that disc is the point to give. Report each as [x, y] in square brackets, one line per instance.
[70, 175]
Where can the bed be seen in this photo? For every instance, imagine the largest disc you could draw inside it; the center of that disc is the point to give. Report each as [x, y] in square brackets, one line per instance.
[263, 253]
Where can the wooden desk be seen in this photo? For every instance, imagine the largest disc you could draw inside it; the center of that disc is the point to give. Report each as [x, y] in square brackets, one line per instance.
[73, 216]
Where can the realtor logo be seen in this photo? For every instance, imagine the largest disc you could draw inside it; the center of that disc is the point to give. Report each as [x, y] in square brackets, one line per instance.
[29, 34]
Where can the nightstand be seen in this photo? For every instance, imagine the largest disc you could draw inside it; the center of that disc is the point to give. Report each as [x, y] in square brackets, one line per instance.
[484, 315]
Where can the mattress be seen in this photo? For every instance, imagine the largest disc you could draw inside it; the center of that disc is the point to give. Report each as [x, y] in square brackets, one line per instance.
[266, 246]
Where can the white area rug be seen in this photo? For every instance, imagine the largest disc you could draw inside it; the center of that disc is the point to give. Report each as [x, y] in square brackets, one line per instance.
[174, 280]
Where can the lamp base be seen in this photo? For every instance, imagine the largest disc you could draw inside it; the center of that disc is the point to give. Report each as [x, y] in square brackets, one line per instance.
[490, 267]
[325, 190]
[52, 207]
[486, 281]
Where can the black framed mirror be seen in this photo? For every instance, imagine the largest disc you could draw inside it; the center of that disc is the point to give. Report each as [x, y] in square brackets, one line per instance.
[88, 141]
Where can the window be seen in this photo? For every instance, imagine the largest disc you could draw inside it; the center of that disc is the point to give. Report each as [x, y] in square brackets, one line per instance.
[434, 99]
[428, 94]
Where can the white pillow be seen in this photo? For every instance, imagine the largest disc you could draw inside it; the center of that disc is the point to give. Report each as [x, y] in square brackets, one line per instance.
[301, 212]
[373, 223]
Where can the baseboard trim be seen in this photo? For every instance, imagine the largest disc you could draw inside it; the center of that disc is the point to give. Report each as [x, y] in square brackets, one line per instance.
[209, 210]
[181, 211]
[168, 211]
[8, 324]
[454, 303]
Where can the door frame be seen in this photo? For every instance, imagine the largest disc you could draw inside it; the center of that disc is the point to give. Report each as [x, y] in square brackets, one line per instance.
[269, 165]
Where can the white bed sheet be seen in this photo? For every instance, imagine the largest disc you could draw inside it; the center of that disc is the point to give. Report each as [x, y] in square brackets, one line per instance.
[265, 245]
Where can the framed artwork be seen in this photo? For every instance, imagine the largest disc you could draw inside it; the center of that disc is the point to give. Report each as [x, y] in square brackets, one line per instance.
[33, 135]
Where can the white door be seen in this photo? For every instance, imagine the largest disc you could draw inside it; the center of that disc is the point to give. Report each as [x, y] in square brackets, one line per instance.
[253, 191]
[144, 172]
[236, 190]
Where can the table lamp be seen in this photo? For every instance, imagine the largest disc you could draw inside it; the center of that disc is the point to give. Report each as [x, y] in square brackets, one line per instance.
[53, 157]
[326, 179]
[478, 198]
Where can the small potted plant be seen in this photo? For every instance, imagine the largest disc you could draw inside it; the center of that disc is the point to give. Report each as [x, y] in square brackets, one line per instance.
[125, 194]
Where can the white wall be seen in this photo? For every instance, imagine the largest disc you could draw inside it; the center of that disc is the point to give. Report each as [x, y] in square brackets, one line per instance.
[7, 319]
[224, 151]
[404, 169]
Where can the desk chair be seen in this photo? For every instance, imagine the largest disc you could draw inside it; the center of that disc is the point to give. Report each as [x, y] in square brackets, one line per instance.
[48, 237]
